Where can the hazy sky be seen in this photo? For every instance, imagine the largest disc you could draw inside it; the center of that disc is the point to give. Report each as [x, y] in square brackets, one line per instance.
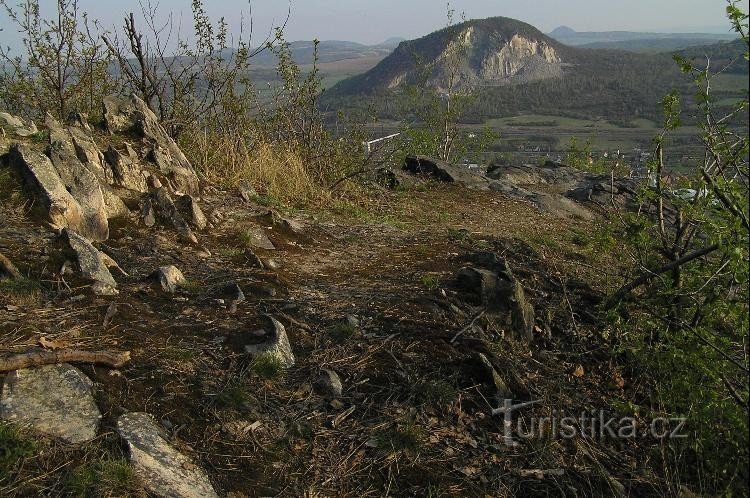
[372, 21]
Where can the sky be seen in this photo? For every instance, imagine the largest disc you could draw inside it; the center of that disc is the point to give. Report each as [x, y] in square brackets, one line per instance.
[373, 21]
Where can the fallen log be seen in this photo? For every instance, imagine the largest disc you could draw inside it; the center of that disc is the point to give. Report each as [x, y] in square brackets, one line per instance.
[38, 358]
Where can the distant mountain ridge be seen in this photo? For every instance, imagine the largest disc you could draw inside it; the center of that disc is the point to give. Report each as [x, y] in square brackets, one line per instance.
[638, 41]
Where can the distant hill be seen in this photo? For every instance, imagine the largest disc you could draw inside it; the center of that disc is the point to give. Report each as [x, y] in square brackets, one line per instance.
[500, 51]
[520, 69]
[329, 51]
[630, 40]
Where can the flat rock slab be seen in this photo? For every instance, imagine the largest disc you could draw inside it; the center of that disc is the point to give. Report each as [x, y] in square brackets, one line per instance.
[53, 399]
[163, 470]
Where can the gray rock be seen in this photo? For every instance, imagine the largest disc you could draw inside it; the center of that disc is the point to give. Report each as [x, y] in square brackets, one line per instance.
[328, 384]
[82, 183]
[257, 238]
[168, 210]
[148, 215]
[170, 278]
[500, 292]
[91, 262]
[8, 270]
[278, 345]
[482, 283]
[191, 211]
[445, 172]
[11, 120]
[53, 399]
[126, 173]
[45, 183]
[164, 471]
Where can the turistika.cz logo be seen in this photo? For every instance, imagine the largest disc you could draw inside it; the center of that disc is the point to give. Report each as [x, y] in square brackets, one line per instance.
[592, 424]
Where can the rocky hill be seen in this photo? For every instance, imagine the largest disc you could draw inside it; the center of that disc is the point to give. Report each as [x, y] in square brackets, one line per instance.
[498, 51]
[518, 69]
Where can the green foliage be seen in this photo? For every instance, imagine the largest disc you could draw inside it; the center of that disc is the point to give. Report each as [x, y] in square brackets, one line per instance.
[405, 436]
[687, 331]
[14, 447]
[431, 281]
[103, 478]
[342, 331]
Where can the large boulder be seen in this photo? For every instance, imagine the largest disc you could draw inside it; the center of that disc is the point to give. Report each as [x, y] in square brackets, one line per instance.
[82, 183]
[134, 116]
[53, 399]
[163, 470]
[446, 172]
[63, 210]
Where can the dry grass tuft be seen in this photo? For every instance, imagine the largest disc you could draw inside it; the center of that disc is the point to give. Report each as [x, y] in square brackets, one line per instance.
[275, 171]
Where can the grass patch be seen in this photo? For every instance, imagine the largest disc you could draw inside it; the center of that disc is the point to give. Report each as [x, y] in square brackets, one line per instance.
[267, 366]
[342, 331]
[235, 396]
[231, 252]
[431, 281]
[406, 436]
[22, 292]
[436, 392]
[103, 478]
[11, 194]
[14, 447]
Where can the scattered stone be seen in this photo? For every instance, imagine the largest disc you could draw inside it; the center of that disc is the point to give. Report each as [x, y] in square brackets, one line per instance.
[271, 264]
[328, 384]
[170, 278]
[148, 215]
[168, 210]
[163, 470]
[190, 209]
[53, 399]
[256, 237]
[8, 270]
[91, 263]
[278, 345]
[353, 322]
[501, 387]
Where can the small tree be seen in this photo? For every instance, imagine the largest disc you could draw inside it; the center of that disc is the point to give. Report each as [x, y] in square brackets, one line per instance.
[63, 66]
[689, 326]
[439, 100]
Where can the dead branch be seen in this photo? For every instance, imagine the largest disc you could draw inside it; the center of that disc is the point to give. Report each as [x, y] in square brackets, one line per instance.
[38, 358]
